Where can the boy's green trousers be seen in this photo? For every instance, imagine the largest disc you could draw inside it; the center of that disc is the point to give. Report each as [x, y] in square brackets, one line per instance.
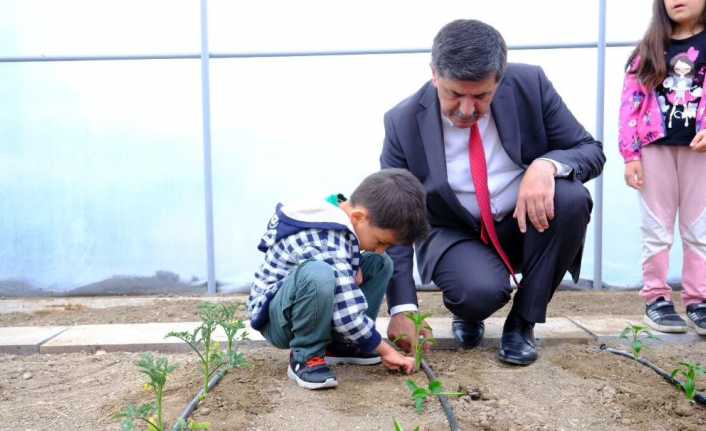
[301, 312]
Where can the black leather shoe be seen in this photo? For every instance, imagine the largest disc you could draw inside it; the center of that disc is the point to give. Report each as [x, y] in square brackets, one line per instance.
[517, 345]
[467, 334]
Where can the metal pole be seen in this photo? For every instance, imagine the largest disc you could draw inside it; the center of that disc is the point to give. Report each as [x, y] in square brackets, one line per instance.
[600, 93]
[207, 176]
[285, 54]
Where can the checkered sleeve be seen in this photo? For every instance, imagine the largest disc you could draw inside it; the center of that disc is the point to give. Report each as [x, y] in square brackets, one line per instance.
[350, 305]
[340, 250]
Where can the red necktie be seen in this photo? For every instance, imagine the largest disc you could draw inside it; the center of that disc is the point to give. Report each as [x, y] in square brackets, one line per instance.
[479, 172]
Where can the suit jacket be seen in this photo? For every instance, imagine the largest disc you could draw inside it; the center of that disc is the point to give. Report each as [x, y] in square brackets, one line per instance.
[532, 122]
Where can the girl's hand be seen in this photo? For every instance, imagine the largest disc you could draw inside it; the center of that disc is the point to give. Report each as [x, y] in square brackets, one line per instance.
[633, 174]
[698, 144]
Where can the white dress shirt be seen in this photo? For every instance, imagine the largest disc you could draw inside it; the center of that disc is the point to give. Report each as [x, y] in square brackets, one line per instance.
[504, 176]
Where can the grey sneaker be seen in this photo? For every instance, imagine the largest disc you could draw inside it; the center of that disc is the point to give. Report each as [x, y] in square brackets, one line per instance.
[312, 373]
[661, 316]
[697, 317]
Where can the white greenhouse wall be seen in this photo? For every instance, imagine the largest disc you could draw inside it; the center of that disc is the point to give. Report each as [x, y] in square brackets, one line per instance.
[101, 162]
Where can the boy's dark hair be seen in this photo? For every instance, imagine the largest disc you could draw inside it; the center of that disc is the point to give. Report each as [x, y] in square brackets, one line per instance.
[396, 200]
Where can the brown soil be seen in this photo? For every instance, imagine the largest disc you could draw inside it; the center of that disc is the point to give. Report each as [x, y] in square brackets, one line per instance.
[565, 303]
[74, 311]
[571, 387]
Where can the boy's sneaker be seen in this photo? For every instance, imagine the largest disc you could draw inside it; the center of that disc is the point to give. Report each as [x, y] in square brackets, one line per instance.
[661, 316]
[347, 353]
[697, 317]
[311, 374]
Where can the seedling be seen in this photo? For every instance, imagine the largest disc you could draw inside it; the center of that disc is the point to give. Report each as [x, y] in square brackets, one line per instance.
[231, 326]
[398, 426]
[690, 371]
[636, 334]
[182, 425]
[150, 413]
[420, 324]
[202, 337]
[420, 394]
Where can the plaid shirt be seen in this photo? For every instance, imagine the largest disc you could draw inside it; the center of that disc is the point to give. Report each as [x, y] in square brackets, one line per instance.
[338, 248]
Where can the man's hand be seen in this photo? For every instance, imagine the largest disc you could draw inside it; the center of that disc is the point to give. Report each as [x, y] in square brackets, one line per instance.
[698, 144]
[536, 196]
[401, 332]
[633, 174]
[393, 360]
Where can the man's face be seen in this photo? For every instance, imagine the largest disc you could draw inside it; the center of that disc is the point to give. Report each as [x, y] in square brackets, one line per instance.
[464, 102]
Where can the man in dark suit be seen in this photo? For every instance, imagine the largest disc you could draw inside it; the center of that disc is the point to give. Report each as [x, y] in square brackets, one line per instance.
[503, 161]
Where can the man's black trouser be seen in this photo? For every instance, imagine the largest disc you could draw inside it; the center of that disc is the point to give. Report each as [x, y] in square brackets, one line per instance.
[475, 282]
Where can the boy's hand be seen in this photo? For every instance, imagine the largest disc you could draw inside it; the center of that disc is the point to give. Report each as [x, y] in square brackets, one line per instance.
[401, 332]
[633, 174]
[698, 144]
[393, 360]
[359, 277]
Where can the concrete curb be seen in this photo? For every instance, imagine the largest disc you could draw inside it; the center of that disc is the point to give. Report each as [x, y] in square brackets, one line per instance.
[140, 337]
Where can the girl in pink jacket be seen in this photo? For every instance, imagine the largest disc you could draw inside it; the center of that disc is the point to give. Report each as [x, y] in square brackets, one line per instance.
[663, 141]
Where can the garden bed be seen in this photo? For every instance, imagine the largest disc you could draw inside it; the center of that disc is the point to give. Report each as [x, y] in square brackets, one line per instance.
[79, 311]
[571, 387]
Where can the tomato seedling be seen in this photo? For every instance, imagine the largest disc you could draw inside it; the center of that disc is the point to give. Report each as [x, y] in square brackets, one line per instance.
[636, 334]
[202, 338]
[420, 394]
[151, 413]
[231, 326]
[690, 371]
[398, 426]
[420, 324]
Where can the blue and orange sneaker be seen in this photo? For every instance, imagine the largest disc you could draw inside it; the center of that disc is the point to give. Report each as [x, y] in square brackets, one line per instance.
[312, 373]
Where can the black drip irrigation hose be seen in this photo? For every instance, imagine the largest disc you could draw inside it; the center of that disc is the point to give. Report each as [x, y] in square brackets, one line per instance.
[443, 399]
[189, 409]
[698, 398]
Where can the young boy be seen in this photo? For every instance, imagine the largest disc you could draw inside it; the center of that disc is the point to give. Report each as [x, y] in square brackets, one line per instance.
[317, 294]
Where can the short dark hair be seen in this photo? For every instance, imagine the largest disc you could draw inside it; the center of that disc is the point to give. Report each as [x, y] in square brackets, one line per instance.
[469, 50]
[396, 200]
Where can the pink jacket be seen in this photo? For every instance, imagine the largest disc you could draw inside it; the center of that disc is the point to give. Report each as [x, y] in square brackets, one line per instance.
[641, 121]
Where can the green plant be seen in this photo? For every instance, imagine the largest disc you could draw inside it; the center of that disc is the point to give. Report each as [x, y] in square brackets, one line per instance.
[150, 413]
[420, 324]
[690, 371]
[636, 334]
[231, 326]
[202, 337]
[398, 426]
[182, 425]
[420, 394]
